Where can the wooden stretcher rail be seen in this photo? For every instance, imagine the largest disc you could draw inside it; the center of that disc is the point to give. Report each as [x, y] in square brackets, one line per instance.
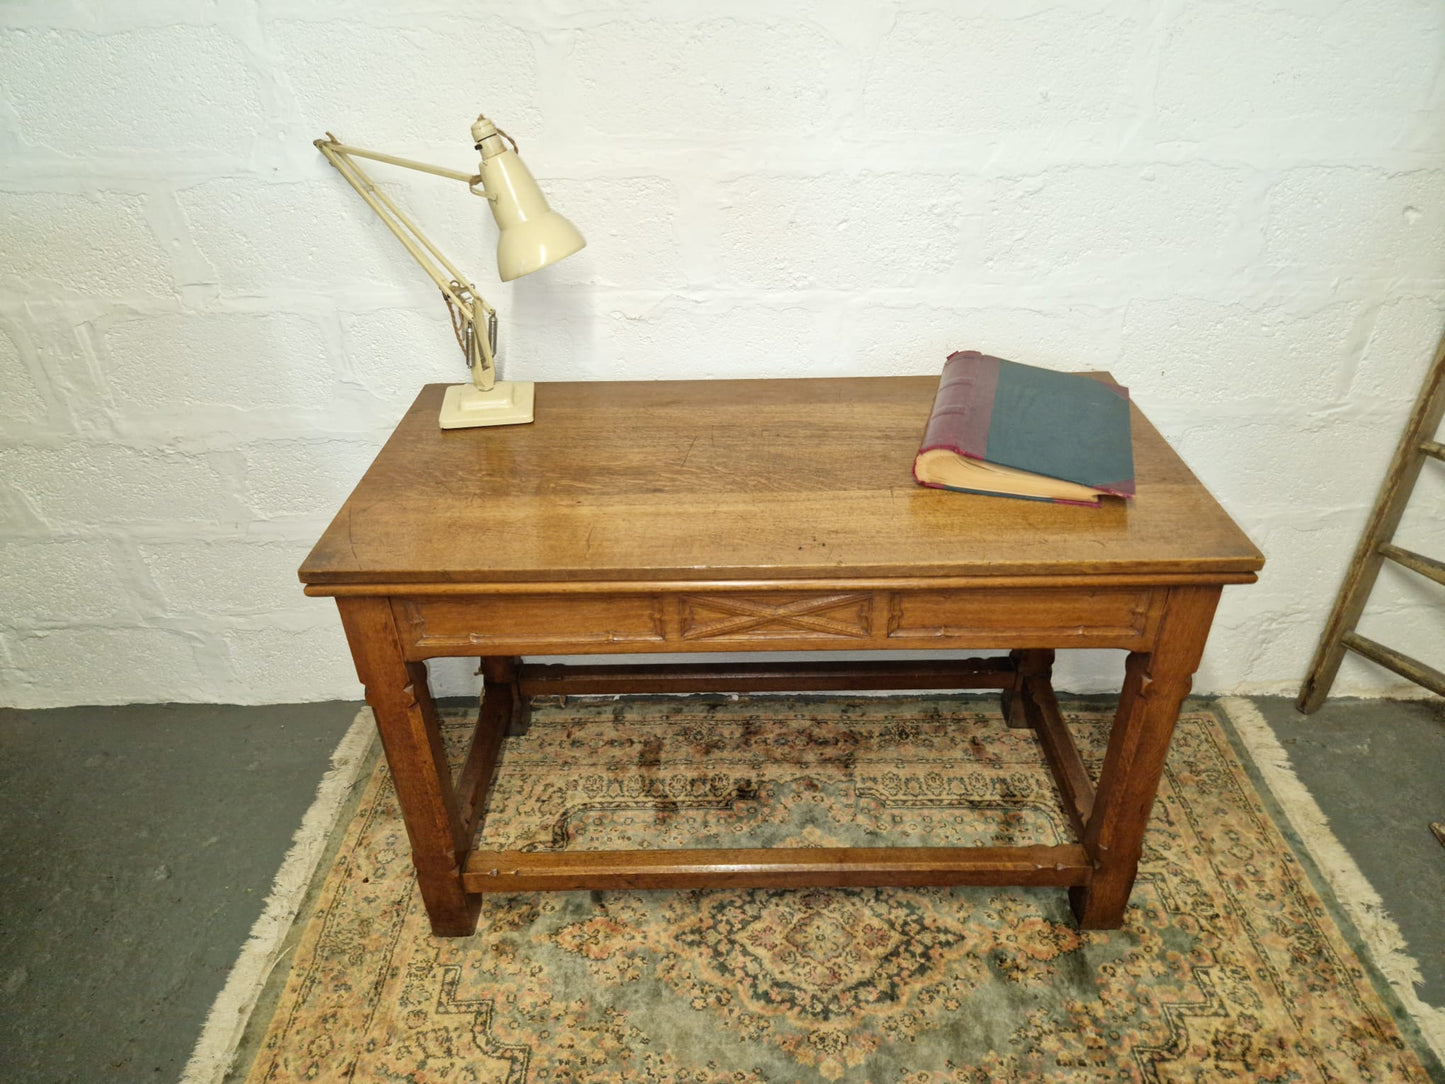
[813, 867]
[567, 680]
[1075, 786]
[475, 778]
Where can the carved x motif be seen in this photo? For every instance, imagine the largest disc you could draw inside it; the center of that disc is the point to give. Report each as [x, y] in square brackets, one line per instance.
[746, 615]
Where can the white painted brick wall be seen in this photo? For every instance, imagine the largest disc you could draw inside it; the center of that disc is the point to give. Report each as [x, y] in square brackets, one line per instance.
[1237, 207]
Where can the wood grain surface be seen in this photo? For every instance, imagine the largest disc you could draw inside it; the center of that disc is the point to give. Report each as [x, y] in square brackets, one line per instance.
[716, 480]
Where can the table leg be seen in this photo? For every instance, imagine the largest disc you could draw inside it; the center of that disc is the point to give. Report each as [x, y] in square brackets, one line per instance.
[406, 718]
[1155, 685]
[1033, 664]
[501, 672]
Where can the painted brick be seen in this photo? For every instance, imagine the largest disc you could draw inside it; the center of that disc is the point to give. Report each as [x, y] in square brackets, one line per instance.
[158, 92]
[284, 665]
[308, 478]
[454, 677]
[398, 83]
[1263, 465]
[21, 400]
[85, 484]
[226, 576]
[1332, 220]
[112, 666]
[1089, 671]
[1096, 224]
[393, 352]
[698, 80]
[711, 342]
[915, 338]
[1398, 353]
[16, 515]
[1414, 628]
[280, 239]
[228, 360]
[845, 231]
[52, 583]
[949, 73]
[1258, 645]
[1309, 68]
[14, 685]
[1402, 595]
[550, 331]
[98, 244]
[1183, 348]
[546, 333]
[1420, 527]
[632, 231]
[1306, 556]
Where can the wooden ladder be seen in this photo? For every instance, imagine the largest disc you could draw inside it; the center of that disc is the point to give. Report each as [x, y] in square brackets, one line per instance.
[1376, 546]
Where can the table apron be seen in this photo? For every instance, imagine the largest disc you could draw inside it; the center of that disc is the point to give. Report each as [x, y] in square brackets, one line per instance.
[593, 622]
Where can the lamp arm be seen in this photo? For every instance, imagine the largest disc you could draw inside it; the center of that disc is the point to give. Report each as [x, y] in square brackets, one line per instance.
[406, 163]
[405, 230]
[474, 321]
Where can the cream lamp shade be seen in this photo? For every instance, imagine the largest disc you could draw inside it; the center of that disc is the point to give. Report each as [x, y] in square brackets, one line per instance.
[530, 237]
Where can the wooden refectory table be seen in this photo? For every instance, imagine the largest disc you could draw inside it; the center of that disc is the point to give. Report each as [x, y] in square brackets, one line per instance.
[764, 515]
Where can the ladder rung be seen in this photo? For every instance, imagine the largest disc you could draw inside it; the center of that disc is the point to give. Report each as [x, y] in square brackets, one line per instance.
[1416, 562]
[1411, 669]
[1421, 438]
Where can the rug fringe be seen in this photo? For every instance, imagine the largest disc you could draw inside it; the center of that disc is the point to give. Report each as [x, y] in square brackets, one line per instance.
[1381, 935]
[215, 1050]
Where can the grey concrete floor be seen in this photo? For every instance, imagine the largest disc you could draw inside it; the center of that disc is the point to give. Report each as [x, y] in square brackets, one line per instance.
[138, 843]
[1377, 770]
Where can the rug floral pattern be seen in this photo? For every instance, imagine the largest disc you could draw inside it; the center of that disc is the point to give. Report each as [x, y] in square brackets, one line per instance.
[1228, 967]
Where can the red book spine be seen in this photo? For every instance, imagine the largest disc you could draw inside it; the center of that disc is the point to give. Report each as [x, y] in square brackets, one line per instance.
[963, 406]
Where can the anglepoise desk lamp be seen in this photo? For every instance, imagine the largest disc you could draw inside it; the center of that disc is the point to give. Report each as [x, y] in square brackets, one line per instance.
[532, 236]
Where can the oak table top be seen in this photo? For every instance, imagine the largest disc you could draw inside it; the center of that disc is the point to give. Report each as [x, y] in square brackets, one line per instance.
[758, 479]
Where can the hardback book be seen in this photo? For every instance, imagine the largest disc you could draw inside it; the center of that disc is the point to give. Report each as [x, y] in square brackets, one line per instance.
[1006, 429]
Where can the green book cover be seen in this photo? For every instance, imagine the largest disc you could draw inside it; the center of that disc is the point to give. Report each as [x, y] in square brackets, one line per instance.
[1002, 427]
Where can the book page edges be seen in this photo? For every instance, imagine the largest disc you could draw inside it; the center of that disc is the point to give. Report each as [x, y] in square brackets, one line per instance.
[951, 468]
[1096, 503]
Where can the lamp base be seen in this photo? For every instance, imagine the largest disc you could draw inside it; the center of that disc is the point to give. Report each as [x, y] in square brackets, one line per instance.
[508, 403]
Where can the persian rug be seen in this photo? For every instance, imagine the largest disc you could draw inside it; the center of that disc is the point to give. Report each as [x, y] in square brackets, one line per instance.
[1229, 966]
